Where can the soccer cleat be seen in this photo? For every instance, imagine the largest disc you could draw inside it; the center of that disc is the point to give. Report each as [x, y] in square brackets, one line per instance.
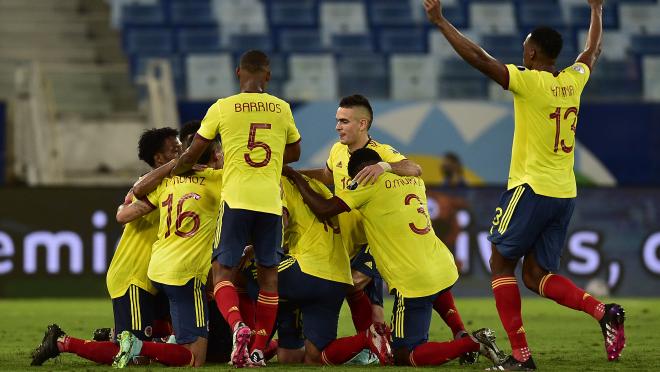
[256, 359]
[129, 348]
[240, 341]
[364, 358]
[488, 348]
[47, 349]
[378, 336]
[470, 357]
[612, 327]
[511, 364]
[102, 334]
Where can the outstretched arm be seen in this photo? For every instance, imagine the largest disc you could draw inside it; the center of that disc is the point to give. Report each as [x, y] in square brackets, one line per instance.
[466, 48]
[323, 208]
[151, 180]
[191, 155]
[321, 174]
[592, 48]
[401, 168]
[127, 213]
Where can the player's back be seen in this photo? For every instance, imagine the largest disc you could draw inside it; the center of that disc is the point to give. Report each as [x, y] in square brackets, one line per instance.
[188, 206]
[546, 111]
[409, 255]
[254, 128]
[315, 244]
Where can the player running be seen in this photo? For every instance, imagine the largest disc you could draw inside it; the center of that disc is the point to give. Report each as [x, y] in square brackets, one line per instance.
[396, 219]
[533, 215]
[180, 259]
[258, 135]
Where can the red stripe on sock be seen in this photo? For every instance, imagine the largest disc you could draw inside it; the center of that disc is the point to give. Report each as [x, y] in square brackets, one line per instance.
[361, 311]
[171, 355]
[266, 314]
[444, 305]
[344, 349]
[226, 299]
[99, 352]
[507, 301]
[247, 307]
[436, 353]
[564, 292]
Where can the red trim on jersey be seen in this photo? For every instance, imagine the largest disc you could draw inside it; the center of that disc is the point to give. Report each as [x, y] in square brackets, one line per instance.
[146, 200]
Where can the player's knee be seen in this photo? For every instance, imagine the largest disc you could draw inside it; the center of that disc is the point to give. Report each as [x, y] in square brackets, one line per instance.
[220, 273]
[267, 278]
[401, 357]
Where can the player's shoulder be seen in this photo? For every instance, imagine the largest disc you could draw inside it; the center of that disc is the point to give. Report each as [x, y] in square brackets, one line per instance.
[337, 148]
[381, 147]
[577, 70]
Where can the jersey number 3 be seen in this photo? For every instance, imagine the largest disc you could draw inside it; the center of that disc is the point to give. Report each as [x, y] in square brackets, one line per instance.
[557, 116]
[422, 211]
[253, 144]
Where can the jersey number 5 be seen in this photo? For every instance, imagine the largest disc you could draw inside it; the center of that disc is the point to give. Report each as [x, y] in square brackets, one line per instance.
[420, 210]
[253, 144]
[557, 116]
[181, 215]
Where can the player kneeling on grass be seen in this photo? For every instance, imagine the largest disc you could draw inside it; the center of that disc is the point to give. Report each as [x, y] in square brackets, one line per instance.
[180, 259]
[396, 219]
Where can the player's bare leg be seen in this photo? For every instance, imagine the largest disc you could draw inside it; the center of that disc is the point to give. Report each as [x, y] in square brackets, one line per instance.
[291, 356]
[198, 350]
[564, 292]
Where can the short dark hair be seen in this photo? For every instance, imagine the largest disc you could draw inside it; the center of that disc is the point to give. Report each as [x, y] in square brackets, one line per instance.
[188, 128]
[549, 40]
[152, 141]
[360, 159]
[358, 100]
[254, 61]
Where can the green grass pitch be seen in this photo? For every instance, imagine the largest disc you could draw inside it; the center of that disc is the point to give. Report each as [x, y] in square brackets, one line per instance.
[560, 339]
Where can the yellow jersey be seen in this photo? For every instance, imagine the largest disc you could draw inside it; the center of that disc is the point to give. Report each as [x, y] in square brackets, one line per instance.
[350, 224]
[546, 110]
[315, 244]
[189, 205]
[409, 255]
[254, 129]
[131, 258]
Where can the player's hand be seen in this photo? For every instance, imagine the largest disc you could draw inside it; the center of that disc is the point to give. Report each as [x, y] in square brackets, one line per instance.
[434, 11]
[128, 199]
[199, 167]
[369, 173]
[595, 2]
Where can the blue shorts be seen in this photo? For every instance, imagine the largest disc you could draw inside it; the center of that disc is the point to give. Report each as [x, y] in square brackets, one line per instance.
[364, 263]
[241, 227]
[309, 307]
[134, 312]
[525, 222]
[411, 320]
[188, 309]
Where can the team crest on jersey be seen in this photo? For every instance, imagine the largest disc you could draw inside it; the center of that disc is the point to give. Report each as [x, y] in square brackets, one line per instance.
[339, 165]
[521, 68]
[578, 68]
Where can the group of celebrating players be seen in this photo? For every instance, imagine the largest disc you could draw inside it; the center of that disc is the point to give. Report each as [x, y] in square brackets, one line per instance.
[283, 252]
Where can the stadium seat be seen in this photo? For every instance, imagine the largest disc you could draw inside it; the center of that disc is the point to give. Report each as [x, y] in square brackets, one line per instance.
[191, 12]
[351, 44]
[390, 13]
[138, 64]
[341, 18]
[365, 74]
[210, 76]
[506, 48]
[198, 39]
[404, 40]
[645, 44]
[148, 40]
[439, 46]
[139, 14]
[300, 40]
[492, 17]
[293, 13]
[413, 77]
[239, 17]
[580, 17]
[615, 44]
[639, 18]
[243, 42]
[651, 68]
[532, 14]
[458, 80]
[312, 77]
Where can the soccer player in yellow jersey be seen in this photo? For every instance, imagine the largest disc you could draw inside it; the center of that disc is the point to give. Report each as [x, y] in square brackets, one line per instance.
[134, 302]
[181, 257]
[396, 219]
[258, 135]
[353, 120]
[533, 215]
[312, 282]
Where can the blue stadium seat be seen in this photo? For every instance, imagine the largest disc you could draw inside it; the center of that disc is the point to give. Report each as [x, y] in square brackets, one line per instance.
[580, 16]
[300, 40]
[506, 48]
[539, 13]
[243, 42]
[293, 13]
[198, 39]
[366, 74]
[645, 44]
[191, 12]
[351, 43]
[458, 80]
[458, 14]
[613, 87]
[137, 14]
[138, 66]
[390, 13]
[404, 40]
[148, 40]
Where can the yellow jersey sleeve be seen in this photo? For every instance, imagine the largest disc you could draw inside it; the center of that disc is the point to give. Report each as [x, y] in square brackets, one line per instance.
[580, 72]
[521, 79]
[387, 152]
[211, 122]
[293, 135]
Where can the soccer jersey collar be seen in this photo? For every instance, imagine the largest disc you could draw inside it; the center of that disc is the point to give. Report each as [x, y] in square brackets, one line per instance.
[363, 147]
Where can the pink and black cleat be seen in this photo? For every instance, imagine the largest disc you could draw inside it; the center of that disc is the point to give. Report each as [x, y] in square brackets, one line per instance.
[612, 327]
[241, 341]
